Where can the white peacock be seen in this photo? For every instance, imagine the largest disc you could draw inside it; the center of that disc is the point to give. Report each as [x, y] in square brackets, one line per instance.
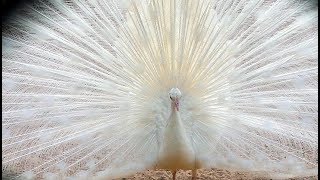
[103, 89]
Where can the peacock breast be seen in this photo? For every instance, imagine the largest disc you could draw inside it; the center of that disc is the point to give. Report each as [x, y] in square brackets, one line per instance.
[176, 151]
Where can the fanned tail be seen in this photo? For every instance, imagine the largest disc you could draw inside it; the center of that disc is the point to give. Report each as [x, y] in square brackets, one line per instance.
[84, 85]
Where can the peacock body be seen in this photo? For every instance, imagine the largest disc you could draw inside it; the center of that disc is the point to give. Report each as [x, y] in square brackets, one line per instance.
[103, 89]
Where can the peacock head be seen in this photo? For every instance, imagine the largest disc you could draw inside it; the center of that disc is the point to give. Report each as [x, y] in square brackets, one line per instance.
[175, 95]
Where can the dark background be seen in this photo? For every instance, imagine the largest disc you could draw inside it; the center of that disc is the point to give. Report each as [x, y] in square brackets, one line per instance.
[9, 7]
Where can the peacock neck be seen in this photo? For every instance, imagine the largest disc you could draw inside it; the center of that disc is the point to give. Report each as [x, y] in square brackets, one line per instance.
[176, 151]
[175, 116]
[175, 125]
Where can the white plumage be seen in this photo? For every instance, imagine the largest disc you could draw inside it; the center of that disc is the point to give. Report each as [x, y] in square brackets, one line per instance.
[87, 88]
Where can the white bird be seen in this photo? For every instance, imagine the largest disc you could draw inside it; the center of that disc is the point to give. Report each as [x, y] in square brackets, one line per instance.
[176, 151]
[104, 89]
